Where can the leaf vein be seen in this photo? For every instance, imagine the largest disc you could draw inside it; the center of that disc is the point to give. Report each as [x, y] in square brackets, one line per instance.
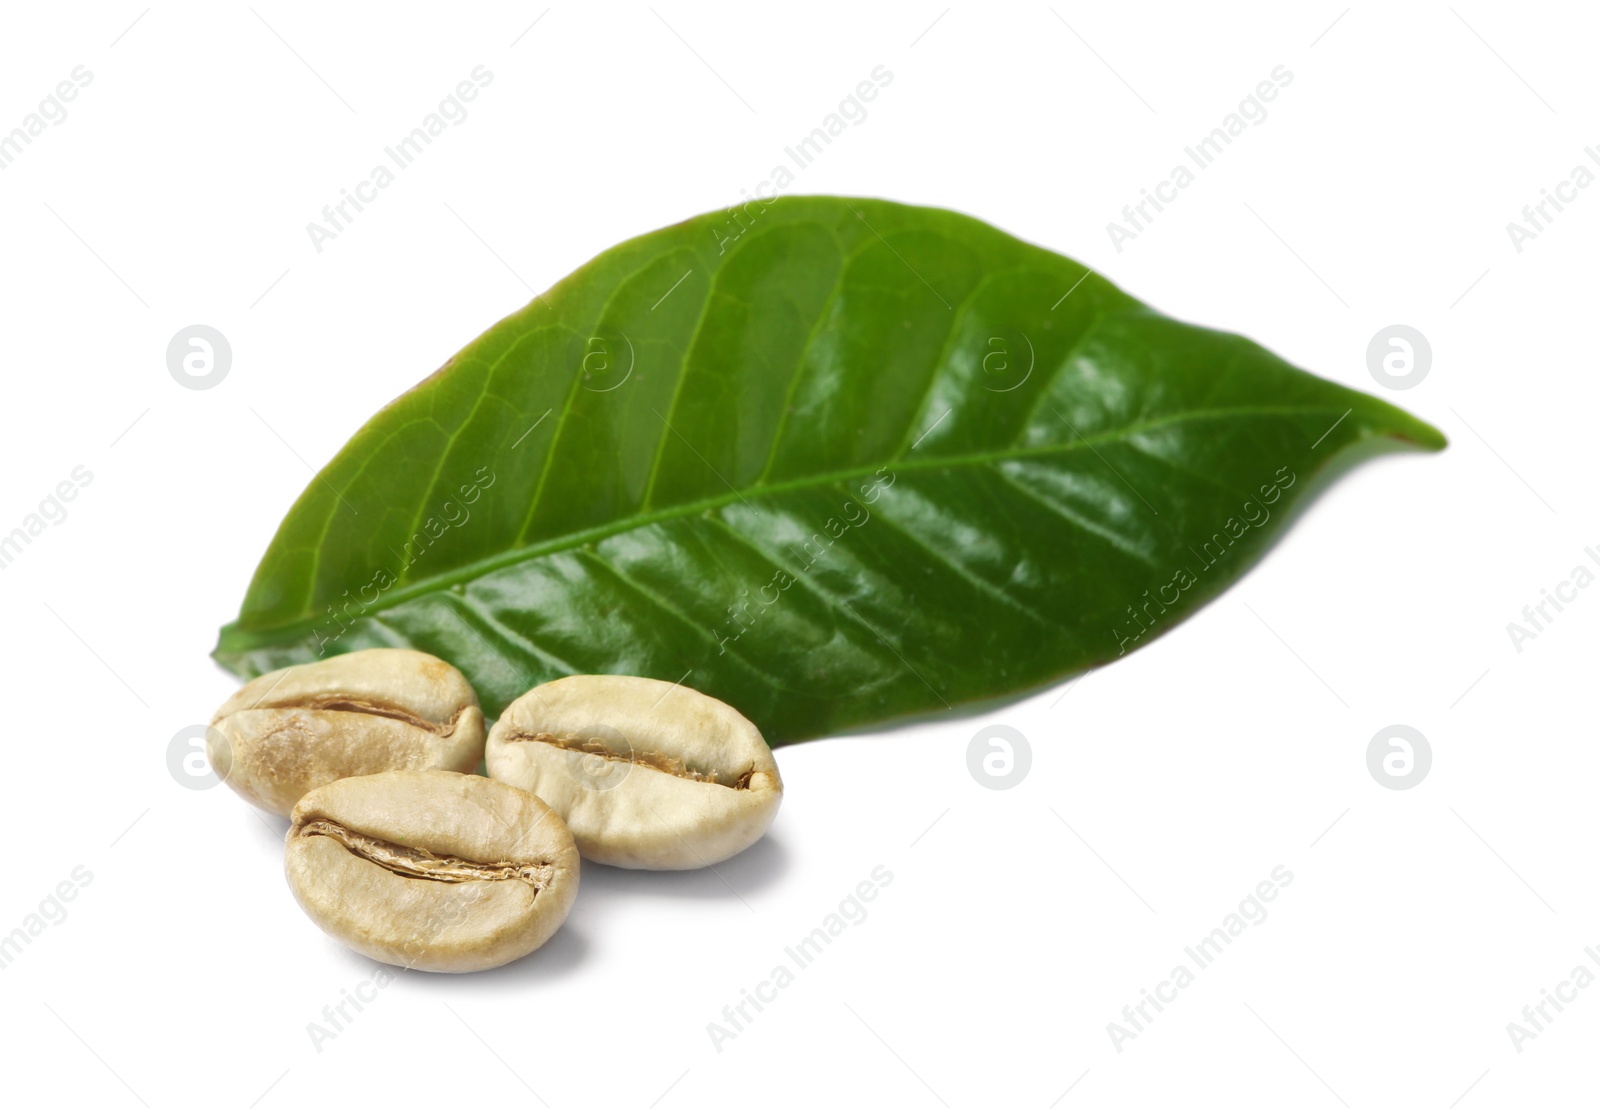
[986, 458]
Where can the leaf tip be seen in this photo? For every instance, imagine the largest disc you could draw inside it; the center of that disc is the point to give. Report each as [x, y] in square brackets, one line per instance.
[1423, 435]
[1393, 422]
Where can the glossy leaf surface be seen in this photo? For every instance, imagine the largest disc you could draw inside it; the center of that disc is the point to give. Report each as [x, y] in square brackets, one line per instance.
[833, 461]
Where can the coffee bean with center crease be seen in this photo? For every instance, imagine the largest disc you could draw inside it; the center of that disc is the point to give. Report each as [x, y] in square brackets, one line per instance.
[432, 870]
[647, 774]
[383, 709]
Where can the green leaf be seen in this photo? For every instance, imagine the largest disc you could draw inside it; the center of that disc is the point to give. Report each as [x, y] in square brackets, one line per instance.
[831, 460]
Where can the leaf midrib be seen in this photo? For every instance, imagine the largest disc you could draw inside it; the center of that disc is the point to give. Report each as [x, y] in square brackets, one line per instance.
[471, 572]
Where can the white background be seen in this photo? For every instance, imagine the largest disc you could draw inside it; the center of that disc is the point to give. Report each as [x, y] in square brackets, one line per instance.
[1163, 788]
